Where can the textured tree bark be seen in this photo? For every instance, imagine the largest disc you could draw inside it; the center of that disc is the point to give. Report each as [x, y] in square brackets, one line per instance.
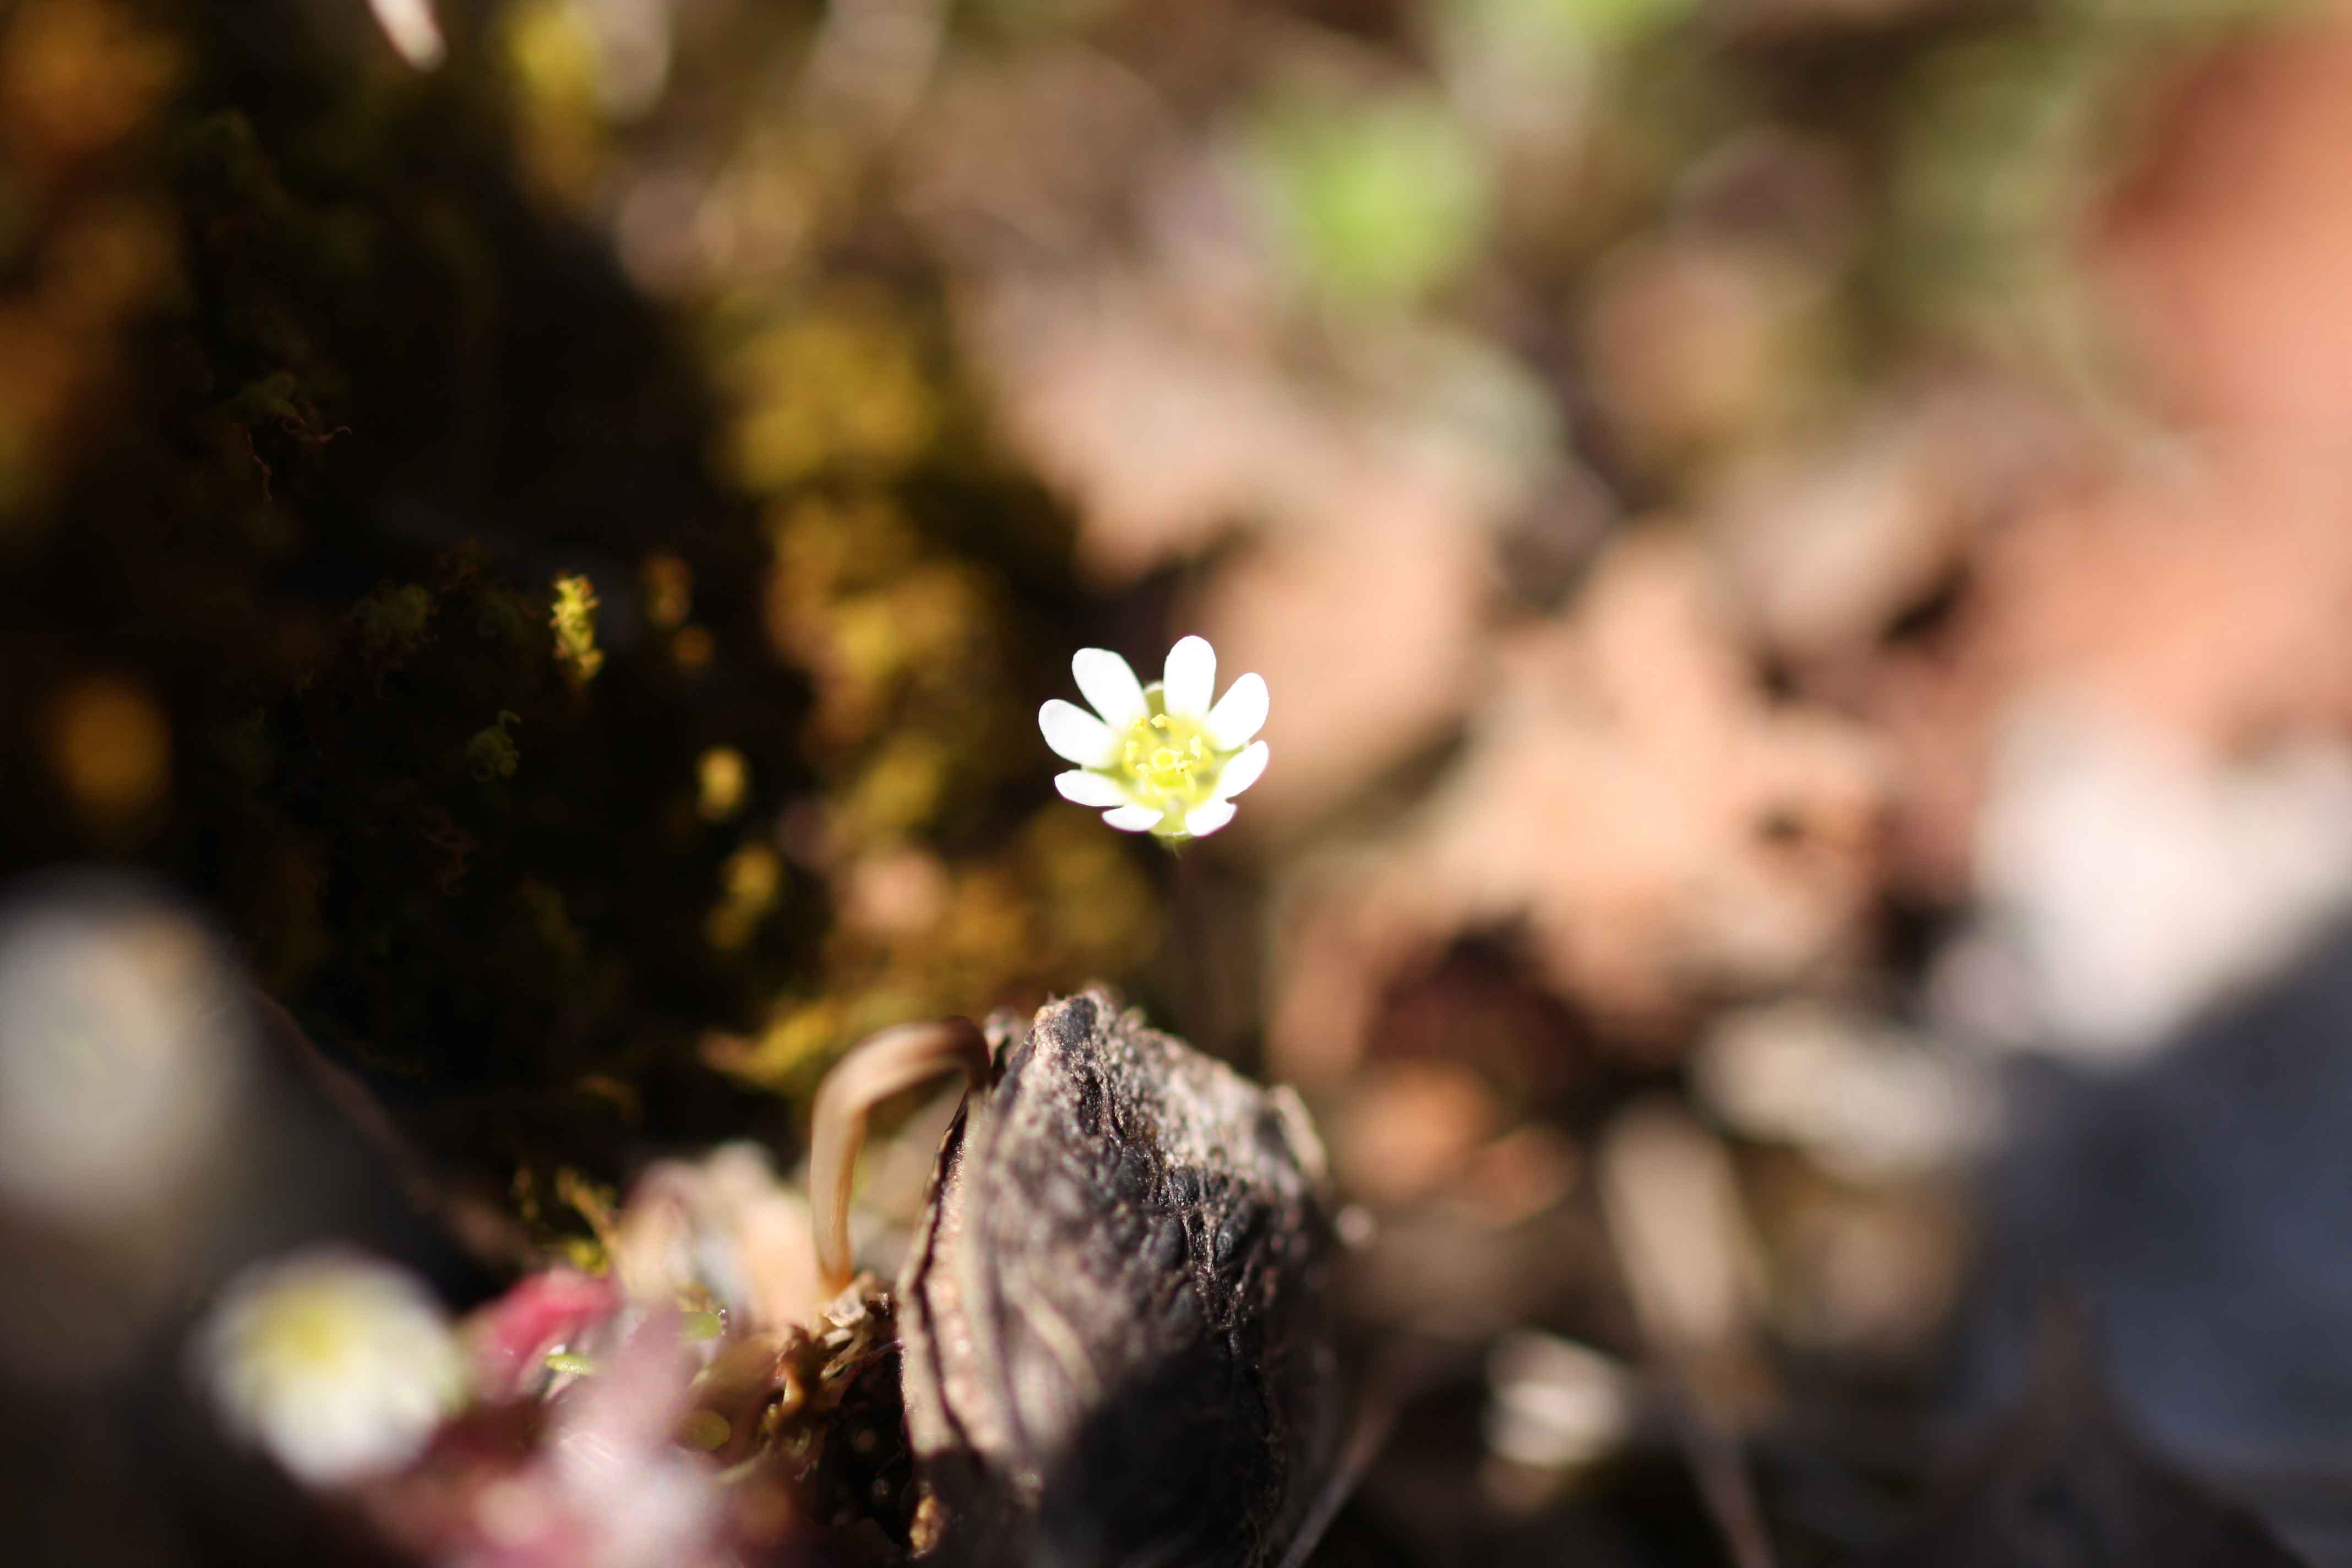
[1115, 1344]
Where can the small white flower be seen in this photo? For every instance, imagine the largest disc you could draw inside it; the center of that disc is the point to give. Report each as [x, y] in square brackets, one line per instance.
[1158, 758]
[339, 1365]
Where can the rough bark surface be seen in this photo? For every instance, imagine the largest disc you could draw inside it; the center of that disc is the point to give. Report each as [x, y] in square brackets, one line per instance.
[1115, 1344]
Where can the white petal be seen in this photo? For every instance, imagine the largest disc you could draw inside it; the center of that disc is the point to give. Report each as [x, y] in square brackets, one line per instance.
[1076, 734]
[1109, 684]
[1204, 820]
[1133, 818]
[1084, 788]
[1192, 678]
[1239, 714]
[1242, 771]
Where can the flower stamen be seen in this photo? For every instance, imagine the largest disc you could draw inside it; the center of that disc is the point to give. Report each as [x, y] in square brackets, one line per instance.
[1165, 761]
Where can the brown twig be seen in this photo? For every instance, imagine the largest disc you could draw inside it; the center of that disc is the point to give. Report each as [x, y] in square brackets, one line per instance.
[1714, 1456]
[484, 1230]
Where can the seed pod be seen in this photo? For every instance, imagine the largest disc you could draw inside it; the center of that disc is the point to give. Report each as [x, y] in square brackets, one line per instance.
[1115, 1345]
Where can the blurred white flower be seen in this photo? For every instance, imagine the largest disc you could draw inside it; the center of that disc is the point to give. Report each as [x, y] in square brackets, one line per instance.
[1867, 1102]
[121, 1054]
[340, 1366]
[1158, 758]
[2125, 883]
[1555, 1403]
[126, 1090]
[413, 31]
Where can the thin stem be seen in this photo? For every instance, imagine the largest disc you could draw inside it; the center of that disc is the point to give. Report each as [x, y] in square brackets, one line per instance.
[885, 1064]
[1720, 1470]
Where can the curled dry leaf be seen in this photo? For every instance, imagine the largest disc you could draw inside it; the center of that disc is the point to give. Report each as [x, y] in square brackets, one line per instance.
[1113, 1322]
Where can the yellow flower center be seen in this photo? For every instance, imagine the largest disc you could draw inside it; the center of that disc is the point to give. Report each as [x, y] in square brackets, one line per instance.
[1169, 758]
[310, 1330]
[1162, 756]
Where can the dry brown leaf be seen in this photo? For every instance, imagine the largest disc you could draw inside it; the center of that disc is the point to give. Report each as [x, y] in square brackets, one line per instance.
[2227, 252]
[1657, 831]
[1373, 646]
[1162, 437]
[2195, 586]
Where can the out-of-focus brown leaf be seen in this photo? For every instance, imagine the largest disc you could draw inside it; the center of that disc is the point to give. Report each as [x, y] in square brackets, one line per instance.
[1030, 156]
[2197, 585]
[1692, 342]
[1409, 1128]
[1162, 435]
[1372, 642]
[726, 1225]
[2227, 249]
[2201, 605]
[1659, 831]
[1832, 547]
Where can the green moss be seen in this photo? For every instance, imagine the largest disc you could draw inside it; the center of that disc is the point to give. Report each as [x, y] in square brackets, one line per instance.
[344, 500]
[492, 754]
